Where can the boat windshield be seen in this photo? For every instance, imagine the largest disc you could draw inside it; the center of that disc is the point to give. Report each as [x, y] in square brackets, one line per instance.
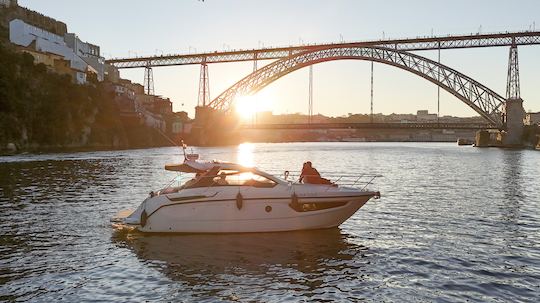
[216, 177]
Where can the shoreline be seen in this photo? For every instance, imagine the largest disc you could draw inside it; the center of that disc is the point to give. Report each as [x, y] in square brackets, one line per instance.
[62, 150]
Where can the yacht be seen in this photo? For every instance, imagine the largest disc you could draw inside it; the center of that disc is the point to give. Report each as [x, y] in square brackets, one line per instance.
[226, 197]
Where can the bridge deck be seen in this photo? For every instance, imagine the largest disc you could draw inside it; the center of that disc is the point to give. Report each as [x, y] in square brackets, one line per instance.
[469, 126]
[413, 44]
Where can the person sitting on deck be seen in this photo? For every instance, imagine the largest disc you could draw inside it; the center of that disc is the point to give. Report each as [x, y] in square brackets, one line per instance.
[310, 175]
[192, 181]
[207, 178]
[221, 181]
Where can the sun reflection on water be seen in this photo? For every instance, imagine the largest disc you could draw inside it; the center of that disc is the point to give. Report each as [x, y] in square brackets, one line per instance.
[245, 154]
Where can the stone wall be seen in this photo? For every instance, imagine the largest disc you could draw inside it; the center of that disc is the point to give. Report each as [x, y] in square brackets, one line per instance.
[33, 18]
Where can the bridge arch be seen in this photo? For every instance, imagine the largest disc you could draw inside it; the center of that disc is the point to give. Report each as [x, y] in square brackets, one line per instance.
[483, 100]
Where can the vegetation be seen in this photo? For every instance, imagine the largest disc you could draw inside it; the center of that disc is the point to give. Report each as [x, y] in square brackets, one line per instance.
[40, 109]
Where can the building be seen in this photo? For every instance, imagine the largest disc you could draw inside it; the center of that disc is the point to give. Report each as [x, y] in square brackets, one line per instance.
[39, 40]
[532, 119]
[90, 53]
[400, 118]
[84, 57]
[112, 74]
[121, 90]
[47, 59]
[180, 123]
[162, 106]
[425, 116]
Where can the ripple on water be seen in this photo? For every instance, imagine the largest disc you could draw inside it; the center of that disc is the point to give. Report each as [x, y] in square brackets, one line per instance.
[454, 224]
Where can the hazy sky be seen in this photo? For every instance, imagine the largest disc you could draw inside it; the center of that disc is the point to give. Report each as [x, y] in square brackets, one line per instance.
[134, 27]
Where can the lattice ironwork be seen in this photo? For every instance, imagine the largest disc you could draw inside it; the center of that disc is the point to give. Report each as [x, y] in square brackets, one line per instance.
[148, 80]
[413, 44]
[483, 100]
[512, 85]
[204, 86]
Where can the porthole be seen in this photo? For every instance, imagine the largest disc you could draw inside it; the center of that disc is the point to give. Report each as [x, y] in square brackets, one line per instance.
[268, 208]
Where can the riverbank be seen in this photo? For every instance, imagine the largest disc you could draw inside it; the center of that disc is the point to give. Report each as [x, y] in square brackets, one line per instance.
[46, 112]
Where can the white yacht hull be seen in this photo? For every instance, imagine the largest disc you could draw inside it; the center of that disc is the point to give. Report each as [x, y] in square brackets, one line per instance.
[253, 215]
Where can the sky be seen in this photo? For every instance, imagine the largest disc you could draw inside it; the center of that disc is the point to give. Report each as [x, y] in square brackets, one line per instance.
[128, 28]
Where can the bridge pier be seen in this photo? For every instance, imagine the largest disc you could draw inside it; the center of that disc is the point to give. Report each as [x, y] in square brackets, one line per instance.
[514, 115]
[213, 127]
[513, 108]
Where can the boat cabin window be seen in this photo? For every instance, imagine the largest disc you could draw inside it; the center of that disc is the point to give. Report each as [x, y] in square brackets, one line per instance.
[229, 178]
[236, 178]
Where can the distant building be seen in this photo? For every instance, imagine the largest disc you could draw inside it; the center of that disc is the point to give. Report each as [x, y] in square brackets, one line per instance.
[121, 90]
[180, 123]
[425, 116]
[154, 121]
[43, 58]
[90, 53]
[111, 73]
[40, 40]
[532, 119]
[401, 118]
[162, 106]
[83, 57]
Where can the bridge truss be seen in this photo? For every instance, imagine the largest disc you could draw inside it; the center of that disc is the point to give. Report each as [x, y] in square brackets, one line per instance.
[483, 100]
[414, 44]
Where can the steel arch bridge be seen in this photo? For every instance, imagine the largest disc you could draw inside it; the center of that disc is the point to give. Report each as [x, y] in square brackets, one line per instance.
[483, 100]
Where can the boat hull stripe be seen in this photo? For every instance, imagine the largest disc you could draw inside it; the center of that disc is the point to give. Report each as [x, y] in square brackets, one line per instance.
[197, 200]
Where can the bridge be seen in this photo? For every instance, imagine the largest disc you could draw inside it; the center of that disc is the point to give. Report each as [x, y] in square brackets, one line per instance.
[420, 125]
[270, 53]
[504, 113]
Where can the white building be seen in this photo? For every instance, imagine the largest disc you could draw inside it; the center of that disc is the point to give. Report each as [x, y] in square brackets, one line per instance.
[120, 90]
[153, 120]
[26, 35]
[88, 52]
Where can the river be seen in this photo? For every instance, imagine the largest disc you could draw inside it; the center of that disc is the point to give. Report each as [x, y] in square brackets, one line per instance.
[453, 224]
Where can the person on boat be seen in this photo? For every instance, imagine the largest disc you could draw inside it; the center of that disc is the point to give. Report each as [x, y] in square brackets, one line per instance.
[193, 181]
[310, 175]
[221, 180]
[207, 178]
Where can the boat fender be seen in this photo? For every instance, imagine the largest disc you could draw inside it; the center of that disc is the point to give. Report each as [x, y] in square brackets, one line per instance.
[144, 218]
[294, 202]
[239, 201]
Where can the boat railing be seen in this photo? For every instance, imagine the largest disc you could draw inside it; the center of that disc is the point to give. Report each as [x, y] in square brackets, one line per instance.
[361, 181]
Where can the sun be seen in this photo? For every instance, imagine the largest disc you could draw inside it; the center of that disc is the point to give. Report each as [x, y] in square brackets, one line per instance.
[248, 106]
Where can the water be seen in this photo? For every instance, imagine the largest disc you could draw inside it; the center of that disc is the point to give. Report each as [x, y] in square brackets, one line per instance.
[454, 224]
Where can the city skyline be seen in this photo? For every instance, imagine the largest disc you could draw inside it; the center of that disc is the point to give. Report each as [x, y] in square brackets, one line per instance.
[339, 87]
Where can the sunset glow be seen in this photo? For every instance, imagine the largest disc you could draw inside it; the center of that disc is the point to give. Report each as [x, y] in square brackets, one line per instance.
[248, 106]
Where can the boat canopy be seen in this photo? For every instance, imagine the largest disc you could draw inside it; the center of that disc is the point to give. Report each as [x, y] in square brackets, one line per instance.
[193, 166]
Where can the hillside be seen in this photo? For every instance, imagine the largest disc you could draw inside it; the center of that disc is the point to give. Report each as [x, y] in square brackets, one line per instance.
[44, 111]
